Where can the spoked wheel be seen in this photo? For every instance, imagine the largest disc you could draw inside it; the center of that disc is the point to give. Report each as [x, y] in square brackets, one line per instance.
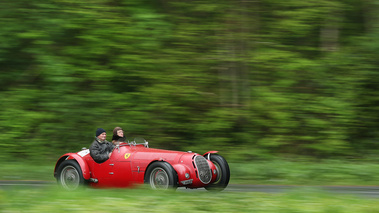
[161, 175]
[70, 175]
[223, 173]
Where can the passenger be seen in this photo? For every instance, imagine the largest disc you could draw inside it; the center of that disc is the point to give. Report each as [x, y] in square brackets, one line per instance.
[118, 136]
[101, 149]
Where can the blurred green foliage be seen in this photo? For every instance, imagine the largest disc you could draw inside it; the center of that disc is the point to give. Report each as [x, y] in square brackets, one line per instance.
[253, 79]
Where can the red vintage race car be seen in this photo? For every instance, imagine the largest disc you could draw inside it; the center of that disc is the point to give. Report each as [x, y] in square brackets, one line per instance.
[135, 163]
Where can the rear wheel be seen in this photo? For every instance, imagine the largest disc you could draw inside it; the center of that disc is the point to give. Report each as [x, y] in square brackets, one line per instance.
[223, 173]
[70, 175]
[161, 175]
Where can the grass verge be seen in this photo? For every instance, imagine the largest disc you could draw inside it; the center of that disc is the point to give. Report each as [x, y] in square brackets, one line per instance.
[327, 172]
[276, 172]
[53, 199]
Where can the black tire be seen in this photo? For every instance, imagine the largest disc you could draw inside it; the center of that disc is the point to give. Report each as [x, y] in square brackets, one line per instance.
[223, 173]
[161, 175]
[70, 175]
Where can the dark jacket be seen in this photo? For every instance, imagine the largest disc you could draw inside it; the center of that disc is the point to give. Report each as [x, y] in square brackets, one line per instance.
[99, 151]
[117, 139]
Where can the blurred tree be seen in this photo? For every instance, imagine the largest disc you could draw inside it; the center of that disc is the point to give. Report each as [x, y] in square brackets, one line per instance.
[268, 77]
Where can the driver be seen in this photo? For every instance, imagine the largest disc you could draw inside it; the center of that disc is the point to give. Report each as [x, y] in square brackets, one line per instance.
[101, 149]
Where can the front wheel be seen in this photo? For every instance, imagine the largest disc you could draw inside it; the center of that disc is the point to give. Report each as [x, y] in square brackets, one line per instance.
[161, 175]
[223, 173]
[70, 175]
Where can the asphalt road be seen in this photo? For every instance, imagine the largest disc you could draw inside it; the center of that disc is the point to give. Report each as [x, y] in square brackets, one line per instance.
[366, 191]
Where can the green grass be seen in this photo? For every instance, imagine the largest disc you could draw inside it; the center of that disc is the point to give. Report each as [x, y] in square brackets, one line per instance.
[328, 172]
[53, 199]
[27, 171]
[279, 172]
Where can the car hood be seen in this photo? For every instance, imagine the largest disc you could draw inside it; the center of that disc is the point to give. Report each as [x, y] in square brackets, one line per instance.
[158, 154]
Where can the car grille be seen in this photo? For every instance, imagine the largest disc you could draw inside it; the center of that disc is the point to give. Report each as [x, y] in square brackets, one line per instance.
[204, 171]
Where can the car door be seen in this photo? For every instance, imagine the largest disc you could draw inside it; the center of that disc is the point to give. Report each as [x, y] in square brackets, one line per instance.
[102, 172]
[120, 172]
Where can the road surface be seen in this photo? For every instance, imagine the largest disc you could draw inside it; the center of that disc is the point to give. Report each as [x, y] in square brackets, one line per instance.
[368, 191]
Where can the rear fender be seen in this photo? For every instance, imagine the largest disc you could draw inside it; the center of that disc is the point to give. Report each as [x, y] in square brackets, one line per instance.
[73, 156]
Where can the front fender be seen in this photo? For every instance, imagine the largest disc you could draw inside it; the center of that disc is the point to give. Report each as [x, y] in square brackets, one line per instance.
[73, 156]
[181, 171]
[207, 153]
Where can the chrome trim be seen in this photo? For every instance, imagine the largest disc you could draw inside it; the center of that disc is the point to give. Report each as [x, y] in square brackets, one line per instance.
[204, 172]
[187, 182]
[93, 180]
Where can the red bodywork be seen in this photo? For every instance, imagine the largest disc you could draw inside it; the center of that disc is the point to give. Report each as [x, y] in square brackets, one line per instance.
[128, 163]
